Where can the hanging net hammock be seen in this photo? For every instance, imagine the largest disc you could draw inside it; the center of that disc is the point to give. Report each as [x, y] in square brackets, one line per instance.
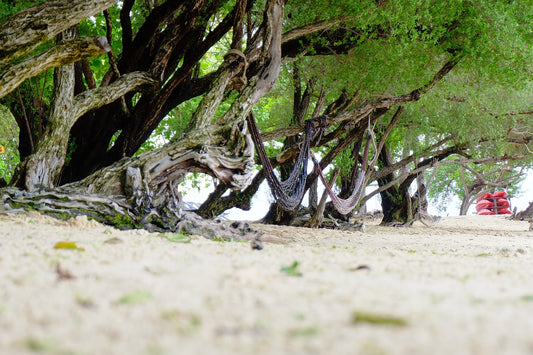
[345, 206]
[289, 193]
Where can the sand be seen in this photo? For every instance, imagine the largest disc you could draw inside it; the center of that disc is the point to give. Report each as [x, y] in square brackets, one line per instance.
[463, 286]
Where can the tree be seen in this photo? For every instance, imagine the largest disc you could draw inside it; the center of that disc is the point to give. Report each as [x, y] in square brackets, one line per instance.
[8, 146]
[468, 126]
[206, 65]
[146, 183]
[473, 177]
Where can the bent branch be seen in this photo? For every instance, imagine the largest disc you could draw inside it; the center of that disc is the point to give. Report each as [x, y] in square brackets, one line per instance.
[24, 31]
[366, 108]
[66, 52]
[93, 99]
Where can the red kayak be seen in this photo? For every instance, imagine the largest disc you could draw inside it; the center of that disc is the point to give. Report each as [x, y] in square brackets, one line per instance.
[502, 203]
[483, 204]
[486, 196]
[500, 194]
[485, 212]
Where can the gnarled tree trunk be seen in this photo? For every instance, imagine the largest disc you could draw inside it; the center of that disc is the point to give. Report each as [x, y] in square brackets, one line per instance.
[142, 190]
[42, 169]
[396, 203]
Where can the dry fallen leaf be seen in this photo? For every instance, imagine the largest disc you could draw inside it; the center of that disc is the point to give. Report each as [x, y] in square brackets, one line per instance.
[113, 240]
[67, 245]
[63, 274]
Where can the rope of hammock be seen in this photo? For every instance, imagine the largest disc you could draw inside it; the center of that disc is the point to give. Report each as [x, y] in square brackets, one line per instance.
[289, 192]
[345, 206]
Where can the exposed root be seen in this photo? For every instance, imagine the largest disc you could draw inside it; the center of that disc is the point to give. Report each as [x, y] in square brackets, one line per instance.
[123, 214]
[425, 219]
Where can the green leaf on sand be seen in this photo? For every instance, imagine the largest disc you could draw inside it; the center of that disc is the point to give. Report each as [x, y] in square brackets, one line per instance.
[135, 297]
[177, 238]
[527, 298]
[40, 344]
[378, 319]
[67, 245]
[292, 270]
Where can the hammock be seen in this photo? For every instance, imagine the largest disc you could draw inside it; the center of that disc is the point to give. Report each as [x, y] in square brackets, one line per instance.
[288, 193]
[345, 206]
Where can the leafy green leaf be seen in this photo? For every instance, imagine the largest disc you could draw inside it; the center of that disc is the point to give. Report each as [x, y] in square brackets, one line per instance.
[292, 270]
[40, 344]
[378, 319]
[304, 332]
[177, 238]
[67, 245]
[527, 298]
[135, 297]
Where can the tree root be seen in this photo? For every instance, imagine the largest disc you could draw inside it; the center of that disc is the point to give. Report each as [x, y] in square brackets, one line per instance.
[328, 222]
[120, 213]
[425, 219]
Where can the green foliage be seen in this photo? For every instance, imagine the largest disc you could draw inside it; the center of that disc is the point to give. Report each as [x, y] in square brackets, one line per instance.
[176, 237]
[378, 319]
[376, 67]
[292, 270]
[345, 161]
[301, 12]
[135, 297]
[275, 110]
[447, 181]
[72, 146]
[9, 141]
[403, 43]
[196, 181]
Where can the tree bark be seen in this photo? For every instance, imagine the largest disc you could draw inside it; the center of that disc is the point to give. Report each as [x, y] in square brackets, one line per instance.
[316, 219]
[44, 166]
[24, 31]
[395, 201]
[526, 214]
[67, 52]
[42, 169]
[396, 205]
[421, 193]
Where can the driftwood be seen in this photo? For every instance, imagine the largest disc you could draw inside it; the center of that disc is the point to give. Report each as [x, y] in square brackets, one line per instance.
[525, 215]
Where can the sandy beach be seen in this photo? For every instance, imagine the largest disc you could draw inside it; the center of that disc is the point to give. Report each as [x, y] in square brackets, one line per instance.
[462, 286]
